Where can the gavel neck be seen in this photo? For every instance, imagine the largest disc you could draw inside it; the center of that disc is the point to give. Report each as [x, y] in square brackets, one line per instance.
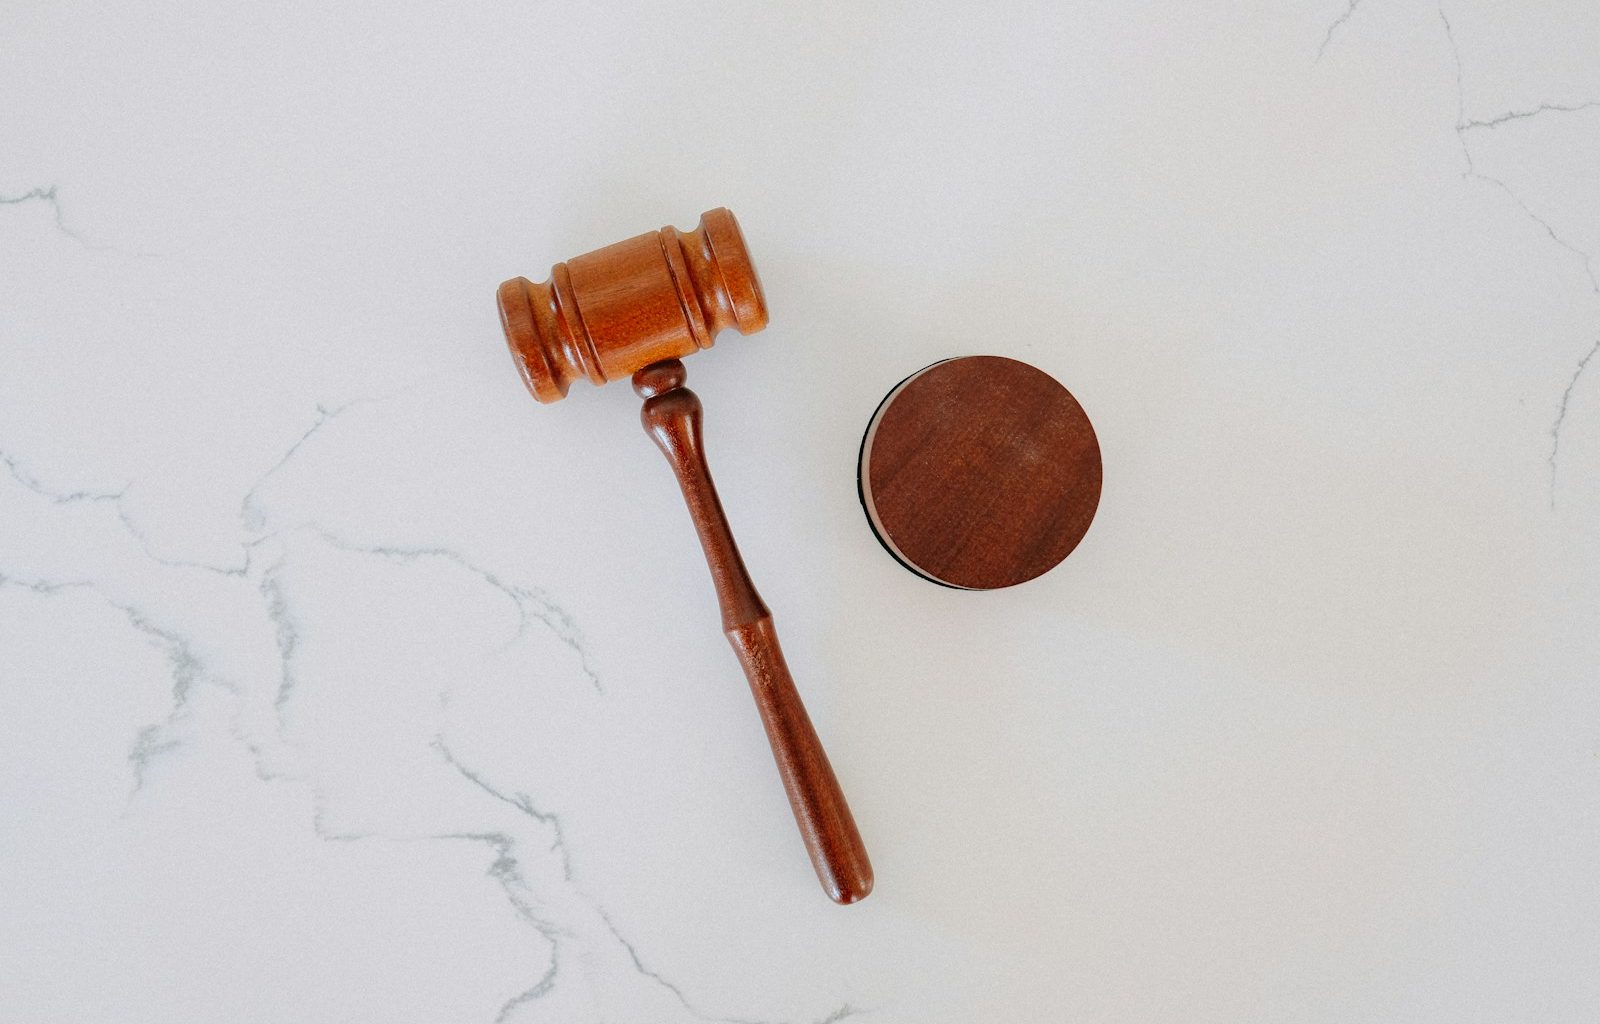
[672, 417]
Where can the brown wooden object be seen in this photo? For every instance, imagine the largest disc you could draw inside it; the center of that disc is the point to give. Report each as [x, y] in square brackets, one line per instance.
[980, 472]
[610, 312]
[631, 309]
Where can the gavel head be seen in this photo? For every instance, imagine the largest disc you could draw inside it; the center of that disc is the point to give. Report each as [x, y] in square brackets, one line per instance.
[608, 313]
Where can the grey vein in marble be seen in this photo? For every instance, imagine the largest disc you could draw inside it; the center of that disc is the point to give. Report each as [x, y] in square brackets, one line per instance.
[508, 873]
[186, 669]
[184, 666]
[844, 1011]
[34, 484]
[639, 965]
[505, 869]
[241, 570]
[116, 500]
[49, 195]
[1462, 127]
[1518, 115]
[151, 743]
[1561, 415]
[521, 801]
[1338, 23]
[250, 512]
[540, 988]
[44, 586]
[552, 615]
[287, 634]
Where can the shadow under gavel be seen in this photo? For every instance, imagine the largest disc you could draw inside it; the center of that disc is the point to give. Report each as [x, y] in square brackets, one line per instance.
[632, 310]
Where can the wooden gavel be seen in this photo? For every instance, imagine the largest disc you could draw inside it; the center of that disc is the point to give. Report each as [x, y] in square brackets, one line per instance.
[634, 308]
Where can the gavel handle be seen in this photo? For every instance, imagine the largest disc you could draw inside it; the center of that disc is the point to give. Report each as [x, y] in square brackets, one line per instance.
[671, 417]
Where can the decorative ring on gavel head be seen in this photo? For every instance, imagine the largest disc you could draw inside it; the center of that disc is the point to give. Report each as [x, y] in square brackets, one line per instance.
[603, 315]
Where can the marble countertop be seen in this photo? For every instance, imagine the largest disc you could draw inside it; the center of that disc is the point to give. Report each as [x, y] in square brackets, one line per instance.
[340, 682]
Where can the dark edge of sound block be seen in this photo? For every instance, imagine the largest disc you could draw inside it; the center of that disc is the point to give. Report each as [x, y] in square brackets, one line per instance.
[861, 491]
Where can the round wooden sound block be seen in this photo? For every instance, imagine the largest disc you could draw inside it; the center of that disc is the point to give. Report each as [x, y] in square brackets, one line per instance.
[980, 472]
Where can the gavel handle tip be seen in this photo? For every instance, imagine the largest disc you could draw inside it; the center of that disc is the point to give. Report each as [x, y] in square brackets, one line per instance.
[829, 829]
[857, 891]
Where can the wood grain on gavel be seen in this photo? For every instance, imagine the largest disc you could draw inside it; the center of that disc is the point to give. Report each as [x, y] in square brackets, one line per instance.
[630, 310]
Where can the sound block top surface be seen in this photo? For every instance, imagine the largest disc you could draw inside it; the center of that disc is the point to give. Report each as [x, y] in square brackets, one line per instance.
[980, 472]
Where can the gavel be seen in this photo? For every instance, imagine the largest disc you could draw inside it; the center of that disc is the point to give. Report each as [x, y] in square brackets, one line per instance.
[634, 309]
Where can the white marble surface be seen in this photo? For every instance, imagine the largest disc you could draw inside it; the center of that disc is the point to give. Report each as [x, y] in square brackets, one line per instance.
[339, 682]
